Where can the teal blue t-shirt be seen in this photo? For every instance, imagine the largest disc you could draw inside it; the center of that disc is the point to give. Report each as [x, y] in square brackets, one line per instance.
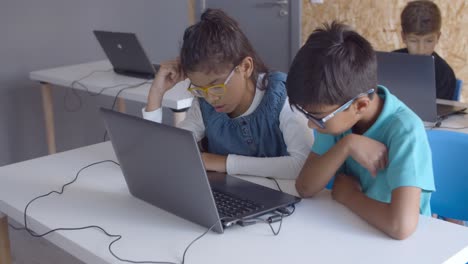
[409, 153]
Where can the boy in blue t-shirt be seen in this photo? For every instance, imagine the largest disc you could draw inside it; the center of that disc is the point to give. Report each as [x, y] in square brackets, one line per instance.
[372, 144]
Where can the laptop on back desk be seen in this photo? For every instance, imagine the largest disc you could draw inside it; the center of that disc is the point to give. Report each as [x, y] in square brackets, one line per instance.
[412, 79]
[126, 54]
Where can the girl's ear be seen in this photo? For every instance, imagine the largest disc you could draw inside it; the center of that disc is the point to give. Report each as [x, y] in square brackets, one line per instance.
[246, 67]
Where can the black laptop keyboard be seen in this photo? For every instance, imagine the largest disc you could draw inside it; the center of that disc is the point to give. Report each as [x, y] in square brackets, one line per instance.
[230, 206]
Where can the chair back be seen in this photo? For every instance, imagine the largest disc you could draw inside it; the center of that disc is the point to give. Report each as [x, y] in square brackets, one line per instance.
[450, 159]
[458, 90]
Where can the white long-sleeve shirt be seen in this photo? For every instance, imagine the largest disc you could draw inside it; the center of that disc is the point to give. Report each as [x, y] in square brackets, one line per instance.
[296, 134]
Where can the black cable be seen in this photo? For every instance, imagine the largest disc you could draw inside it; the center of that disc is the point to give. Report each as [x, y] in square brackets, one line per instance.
[455, 128]
[279, 215]
[283, 212]
[59, 193]
[196, 239]
[32, 233]
[16, 228]
[126, 88]
[158, 262]
[269, 222]
[286, 212]
[117, 97]
[72, 86]
[118, 237]
[277, 184]
[271, 219]
[79, 83]
[80, 104]
[439, 125]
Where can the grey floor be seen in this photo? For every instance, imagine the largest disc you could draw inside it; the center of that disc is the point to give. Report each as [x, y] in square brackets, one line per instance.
[29, 250]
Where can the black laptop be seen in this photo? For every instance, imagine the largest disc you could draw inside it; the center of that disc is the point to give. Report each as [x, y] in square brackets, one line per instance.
[126, 54]
[162, 165]
[412, 79]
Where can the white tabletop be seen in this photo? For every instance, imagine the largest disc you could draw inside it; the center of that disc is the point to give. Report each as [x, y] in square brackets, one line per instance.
[102, 76]
[457, 122]
[320, 231]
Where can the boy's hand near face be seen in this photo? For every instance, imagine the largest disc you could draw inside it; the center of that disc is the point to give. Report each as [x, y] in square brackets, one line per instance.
[345, 187]
[370, 153]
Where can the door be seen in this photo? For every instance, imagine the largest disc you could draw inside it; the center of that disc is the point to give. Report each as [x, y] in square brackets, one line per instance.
[272, 26]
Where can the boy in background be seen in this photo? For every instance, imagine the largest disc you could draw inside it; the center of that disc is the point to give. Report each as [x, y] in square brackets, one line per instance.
[421, 23]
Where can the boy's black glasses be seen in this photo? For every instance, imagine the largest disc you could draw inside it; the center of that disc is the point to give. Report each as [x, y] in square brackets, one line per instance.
[320, 122]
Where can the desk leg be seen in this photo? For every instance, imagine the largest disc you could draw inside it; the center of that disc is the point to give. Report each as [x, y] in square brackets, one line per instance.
[121, 107]
[48, 106]
[179, 115]
[5, 252]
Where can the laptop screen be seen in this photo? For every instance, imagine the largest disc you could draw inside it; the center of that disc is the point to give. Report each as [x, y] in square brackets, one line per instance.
[411, 78]
[125, 53]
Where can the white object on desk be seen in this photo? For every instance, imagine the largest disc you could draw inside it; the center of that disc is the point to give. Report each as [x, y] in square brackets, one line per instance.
[320, 231]
[177, 98]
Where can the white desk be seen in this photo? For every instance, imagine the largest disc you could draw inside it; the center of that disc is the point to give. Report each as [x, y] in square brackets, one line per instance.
[455, 122]
[177, 98]
[320, 231]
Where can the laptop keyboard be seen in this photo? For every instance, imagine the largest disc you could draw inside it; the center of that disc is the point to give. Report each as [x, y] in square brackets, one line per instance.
[230, 206]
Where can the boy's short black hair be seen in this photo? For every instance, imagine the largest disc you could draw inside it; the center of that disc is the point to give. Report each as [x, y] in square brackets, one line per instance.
[421, 18]
[334, 65]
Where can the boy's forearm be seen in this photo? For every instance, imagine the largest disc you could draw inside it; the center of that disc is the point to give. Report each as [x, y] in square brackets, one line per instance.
[384, 216]
[318, 170]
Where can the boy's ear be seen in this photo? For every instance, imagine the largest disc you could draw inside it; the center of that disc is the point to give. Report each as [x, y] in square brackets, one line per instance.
[361, 104]
[246, 67]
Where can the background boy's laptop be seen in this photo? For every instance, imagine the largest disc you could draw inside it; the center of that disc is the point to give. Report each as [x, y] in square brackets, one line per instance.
[162, 166]
[126, 54]
[412, 79]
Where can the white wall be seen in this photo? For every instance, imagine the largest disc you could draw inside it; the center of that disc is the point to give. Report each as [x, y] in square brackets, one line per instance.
[39, 34]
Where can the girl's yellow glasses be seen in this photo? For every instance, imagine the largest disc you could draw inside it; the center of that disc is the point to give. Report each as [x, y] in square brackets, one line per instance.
[216, 90]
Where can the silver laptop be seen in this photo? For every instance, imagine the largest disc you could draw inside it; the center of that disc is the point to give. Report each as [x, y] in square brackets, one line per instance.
[162, 165]
[412, 79]
[126, 54]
